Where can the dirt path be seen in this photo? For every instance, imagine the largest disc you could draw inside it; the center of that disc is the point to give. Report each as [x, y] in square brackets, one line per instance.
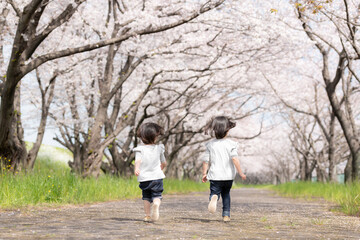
[256, 214]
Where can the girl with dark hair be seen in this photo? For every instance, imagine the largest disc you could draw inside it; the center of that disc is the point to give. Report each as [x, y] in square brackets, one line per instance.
[222, 155]
[149, 163]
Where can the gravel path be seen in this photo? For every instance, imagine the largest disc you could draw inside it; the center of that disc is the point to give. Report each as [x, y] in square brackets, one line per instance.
[256, 214]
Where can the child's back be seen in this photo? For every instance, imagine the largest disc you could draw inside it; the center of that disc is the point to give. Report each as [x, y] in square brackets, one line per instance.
[151, 157]
[220, 152]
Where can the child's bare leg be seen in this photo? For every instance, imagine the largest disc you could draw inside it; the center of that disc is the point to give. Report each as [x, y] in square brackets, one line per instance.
[147, 209]
[157, 201]
[155, 209]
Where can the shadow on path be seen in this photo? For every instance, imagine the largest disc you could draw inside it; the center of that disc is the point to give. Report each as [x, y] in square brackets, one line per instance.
[197, 219]
[124, 219]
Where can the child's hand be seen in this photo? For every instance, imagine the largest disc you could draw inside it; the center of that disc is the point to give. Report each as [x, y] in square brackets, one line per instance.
[137, 172]
[243, 176]
[204, 178]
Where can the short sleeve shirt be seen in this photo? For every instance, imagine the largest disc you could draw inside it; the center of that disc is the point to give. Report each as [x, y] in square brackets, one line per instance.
[219, 153]
[151, 157]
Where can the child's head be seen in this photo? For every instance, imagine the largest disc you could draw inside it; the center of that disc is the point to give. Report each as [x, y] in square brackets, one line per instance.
[148, 132]
[219, 126]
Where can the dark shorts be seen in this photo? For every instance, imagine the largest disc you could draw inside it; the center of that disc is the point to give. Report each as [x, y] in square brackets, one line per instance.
[152, 189]
[220, 187]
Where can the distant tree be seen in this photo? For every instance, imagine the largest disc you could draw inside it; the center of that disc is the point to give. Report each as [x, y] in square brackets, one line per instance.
[333, 29]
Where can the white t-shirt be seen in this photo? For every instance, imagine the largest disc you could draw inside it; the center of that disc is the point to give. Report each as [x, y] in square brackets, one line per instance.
[151, 156]
[219, 153]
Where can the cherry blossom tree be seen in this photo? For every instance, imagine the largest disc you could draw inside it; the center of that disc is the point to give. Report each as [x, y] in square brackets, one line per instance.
[319, 22]
[310, 25]
[38, 22]
[179, 63]
[186, 91]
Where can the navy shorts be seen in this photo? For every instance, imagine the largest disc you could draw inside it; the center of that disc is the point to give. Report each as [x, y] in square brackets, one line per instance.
[152, 189]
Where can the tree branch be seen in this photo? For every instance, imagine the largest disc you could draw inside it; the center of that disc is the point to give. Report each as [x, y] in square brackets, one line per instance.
[15, 7]
[123, 36]
[55, 23]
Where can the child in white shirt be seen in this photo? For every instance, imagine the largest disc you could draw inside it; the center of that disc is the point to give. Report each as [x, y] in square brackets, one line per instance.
[222, 155]
[149, 163]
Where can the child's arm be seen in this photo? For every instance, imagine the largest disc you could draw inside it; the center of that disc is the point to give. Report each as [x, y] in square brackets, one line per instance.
[163, 165]
[204, 171]
[137, 167]
[238, 168]
[205, 166]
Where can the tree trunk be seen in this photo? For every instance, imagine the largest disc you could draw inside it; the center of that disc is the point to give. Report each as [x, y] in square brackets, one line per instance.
[116, 161]
[45, 104]
[308, 176]
[302, 170]
[101, 116]
[351, 138]
[348, 175]
[320, 174]
[356, 166]
[79, 154]
[92, 161]
[331, 151]
[31, 156]
[306, 170]
[92, 164]
[121, 161]
[12, 147]
[119, 164]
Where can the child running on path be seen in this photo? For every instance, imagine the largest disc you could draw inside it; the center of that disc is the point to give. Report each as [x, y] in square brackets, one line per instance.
[222, 155]
[149, 163]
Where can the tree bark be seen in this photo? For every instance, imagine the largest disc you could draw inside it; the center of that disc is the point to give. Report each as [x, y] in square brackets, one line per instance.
[348, 174]
[331, 151]
[12, 147]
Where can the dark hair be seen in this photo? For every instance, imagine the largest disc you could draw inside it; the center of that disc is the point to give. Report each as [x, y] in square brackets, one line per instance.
[148, 132]
[219, 126]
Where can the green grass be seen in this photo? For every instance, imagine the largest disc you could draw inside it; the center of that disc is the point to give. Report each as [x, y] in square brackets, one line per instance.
[184, 186]
[51, 183]
[346, 196]
[241, 185]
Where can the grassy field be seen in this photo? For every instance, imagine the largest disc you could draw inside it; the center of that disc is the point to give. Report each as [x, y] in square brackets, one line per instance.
[346, 196]
[52, 184]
